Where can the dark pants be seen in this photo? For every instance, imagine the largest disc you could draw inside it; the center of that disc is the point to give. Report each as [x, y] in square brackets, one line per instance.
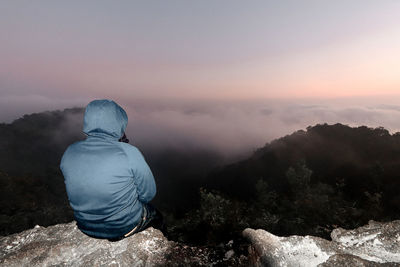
[151, 217]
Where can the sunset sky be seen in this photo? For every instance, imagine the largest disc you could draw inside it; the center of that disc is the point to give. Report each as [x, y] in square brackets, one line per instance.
[58, 54]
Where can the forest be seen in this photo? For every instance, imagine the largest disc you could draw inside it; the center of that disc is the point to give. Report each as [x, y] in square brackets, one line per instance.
[308, 182]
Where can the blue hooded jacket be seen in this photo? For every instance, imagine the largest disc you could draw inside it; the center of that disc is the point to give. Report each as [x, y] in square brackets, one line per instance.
[107, 181]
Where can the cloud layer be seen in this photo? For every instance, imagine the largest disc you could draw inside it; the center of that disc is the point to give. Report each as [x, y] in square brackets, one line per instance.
[234, 128]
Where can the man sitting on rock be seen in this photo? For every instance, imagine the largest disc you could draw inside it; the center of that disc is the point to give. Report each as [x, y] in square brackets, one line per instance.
[108, 182]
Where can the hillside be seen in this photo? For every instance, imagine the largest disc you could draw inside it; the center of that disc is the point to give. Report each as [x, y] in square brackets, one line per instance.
[312, 181]
[366, 159]
[308, 182]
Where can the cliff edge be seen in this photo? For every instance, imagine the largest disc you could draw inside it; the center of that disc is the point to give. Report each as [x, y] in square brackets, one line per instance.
[375, 244]
[65, 245]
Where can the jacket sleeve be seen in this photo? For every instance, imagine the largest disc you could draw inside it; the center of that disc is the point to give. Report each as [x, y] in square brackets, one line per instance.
[142, 175]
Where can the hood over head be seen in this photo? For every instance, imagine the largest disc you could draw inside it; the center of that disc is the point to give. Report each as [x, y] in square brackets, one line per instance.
[104, 118]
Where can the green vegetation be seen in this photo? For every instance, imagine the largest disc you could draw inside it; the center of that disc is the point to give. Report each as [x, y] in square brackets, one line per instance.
[304, 209]
[30, 200]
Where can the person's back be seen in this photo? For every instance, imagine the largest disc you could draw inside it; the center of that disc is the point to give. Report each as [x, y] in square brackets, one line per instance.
[108, 182]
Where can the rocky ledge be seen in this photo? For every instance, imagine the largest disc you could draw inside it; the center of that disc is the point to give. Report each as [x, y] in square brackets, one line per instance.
[65, 245]
[375, 244]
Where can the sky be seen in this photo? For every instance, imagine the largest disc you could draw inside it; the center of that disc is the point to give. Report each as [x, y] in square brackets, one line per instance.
[296, 62]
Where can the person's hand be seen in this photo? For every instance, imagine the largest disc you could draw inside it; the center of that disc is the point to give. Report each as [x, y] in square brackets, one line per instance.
[124, 139]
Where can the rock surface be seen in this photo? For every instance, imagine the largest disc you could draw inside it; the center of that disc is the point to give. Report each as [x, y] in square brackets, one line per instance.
[375, 244]
[65, 245]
